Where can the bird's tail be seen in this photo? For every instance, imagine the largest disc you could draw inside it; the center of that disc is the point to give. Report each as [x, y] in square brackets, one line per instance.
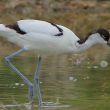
[4, 31]
[10, 34]
[2, 27]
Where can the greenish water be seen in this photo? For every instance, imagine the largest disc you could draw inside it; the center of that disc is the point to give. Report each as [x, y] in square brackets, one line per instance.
[82, 84]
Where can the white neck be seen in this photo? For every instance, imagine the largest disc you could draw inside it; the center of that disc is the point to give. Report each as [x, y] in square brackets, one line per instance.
[91, 40]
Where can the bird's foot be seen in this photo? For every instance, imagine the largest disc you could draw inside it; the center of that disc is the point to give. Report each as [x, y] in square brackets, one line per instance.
[50, 104]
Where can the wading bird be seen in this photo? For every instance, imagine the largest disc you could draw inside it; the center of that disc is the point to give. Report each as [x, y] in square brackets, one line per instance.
[46, 38]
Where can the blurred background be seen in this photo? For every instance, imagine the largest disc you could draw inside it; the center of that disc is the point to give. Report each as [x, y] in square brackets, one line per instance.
[81, 80]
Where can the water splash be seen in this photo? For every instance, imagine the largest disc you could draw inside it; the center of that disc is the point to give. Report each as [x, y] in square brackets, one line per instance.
[103, 63]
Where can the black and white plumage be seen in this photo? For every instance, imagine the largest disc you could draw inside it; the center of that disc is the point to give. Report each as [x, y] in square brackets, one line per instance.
[46, 38]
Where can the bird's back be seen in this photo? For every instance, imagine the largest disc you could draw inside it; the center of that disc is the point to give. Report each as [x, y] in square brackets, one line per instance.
[37, 26]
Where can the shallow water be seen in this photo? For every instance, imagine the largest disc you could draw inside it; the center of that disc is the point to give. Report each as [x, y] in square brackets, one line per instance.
[77, 85]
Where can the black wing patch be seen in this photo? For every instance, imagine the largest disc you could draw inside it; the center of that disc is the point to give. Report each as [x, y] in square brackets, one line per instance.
[16, 28]
[59, 29]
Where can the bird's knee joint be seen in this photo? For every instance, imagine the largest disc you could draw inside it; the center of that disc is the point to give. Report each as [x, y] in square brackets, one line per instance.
[36, 78]
[31, 86]
[6, 59]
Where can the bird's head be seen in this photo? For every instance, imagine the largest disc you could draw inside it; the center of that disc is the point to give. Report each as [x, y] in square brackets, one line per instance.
[98, 36]
[103, 35]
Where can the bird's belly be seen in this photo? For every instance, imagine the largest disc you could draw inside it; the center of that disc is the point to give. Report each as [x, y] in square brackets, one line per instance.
[48, 44]
[49, 49]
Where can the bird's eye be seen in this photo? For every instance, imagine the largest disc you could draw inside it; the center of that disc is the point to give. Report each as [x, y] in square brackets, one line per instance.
[104, 37]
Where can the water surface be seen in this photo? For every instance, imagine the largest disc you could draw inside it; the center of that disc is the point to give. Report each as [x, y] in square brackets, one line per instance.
[81, 84]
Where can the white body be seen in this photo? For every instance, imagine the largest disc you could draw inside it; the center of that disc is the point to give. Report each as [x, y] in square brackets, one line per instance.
[40, 37]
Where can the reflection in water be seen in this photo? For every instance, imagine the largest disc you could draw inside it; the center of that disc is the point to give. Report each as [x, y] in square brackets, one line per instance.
[26, 105]
[82, 85]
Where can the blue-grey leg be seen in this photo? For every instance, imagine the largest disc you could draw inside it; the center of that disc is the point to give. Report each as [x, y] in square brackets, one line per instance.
[36, 77]
[29, 84]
